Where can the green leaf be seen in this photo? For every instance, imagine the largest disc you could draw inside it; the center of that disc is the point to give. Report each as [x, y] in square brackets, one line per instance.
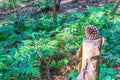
[8, 3]
[73, 75]
[103, 52]
[108, 78]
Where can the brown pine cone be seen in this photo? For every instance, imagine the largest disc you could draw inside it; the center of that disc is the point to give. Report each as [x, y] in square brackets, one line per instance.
[91, 32]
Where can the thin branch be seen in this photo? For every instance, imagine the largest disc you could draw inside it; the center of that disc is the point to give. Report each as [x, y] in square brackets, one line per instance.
[17, 14]
[48, 70]
[46, 62]
[115, 6]
[47, 66]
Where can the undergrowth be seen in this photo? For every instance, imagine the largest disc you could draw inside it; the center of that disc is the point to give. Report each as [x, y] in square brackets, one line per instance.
[26, 49]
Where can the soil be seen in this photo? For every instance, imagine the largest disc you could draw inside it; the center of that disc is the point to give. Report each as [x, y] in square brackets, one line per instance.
[80, 5]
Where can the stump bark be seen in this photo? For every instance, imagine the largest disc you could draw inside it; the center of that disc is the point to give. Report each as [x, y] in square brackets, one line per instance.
[90, 60]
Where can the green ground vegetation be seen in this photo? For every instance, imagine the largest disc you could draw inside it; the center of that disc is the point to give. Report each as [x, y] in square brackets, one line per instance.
[28, 45]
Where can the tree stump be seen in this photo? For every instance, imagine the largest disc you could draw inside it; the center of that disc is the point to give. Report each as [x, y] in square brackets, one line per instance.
[90, 60]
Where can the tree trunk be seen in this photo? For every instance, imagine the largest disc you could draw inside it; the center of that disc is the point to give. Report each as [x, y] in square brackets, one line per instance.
[58, 4]
[54, 9]
[90, 60]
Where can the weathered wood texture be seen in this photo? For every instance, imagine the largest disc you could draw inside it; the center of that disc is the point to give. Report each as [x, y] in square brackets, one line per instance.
[90, 60]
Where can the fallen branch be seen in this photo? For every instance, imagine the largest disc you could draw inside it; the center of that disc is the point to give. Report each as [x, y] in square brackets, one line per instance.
[48, 71]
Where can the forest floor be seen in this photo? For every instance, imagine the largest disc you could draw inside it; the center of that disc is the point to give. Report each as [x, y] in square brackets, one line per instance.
[66, 6]
[80, 5]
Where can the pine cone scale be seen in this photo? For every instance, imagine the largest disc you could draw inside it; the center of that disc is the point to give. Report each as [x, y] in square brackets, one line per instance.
[92, 32]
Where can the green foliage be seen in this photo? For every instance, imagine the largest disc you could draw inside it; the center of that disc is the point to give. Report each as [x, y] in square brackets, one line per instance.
[45, 3]
[107, 74]
[73, 75]
[5, 31]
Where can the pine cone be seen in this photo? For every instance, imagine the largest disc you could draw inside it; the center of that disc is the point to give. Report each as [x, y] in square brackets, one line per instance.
[92, 32]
